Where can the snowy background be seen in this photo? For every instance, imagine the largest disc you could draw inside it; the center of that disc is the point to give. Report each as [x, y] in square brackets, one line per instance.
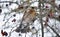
[7, 24]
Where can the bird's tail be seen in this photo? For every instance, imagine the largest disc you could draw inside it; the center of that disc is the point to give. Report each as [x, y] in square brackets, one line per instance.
[22, 29]
[18, 29]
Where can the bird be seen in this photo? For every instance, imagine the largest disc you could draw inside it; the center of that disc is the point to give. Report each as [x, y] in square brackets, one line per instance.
[27, 19]
[29, 16]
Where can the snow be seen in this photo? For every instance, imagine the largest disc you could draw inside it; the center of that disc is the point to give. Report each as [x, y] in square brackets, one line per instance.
[18, 18]
[35, 4]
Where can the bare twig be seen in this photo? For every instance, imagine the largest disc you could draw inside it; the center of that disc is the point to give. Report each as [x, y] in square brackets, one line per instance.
[40, 2]
[54, 31]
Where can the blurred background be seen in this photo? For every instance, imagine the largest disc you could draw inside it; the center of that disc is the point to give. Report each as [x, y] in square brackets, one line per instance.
[46, 22]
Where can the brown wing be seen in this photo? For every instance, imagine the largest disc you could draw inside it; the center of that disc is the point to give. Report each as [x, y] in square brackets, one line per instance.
[29, 16]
